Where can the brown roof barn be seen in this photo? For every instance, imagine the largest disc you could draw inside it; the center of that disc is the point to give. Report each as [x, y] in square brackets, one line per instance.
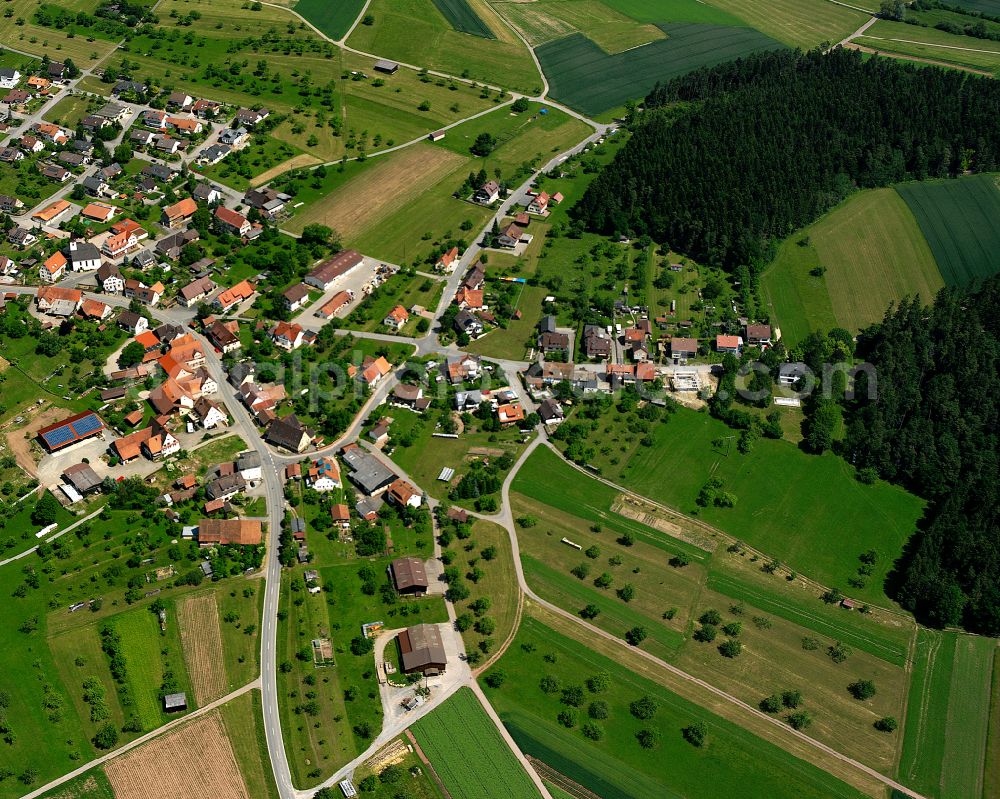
[229, 531]
[409, 575]
[422, 650]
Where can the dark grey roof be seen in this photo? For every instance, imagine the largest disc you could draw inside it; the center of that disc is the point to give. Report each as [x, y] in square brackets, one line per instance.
[367, 471]
[286, 432]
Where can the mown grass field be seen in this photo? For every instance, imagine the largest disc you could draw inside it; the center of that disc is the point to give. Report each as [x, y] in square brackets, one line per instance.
[674, 11]
[56, 44]
[334, 19]
[948, 714]
[69, 110]
[991, 774]
[772, 486]
[609, 29]
[468, 753]
[960, 220]
[463, 18]
[732, 761]
[898, 37]
[586, 78]
[797, 23]
[142, 644]
[416, 32]
[91, 785]
[874, 254]
[242, 719]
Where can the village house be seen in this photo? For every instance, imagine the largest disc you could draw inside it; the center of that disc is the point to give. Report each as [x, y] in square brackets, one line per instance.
[251, 117]
[396, 318]
[295, 297]
[58, 301]
[180, 212]
[53, 268]
[487, 194]
[185, 125]
[132, 322]
[109, 279]
[511, 236]
[448, 260]
[323, 475]
[468, 323]
[168, 144]
[758, 335]
[83, 256]
[406, 396]
[231, 222]
[224, 335]
[373, 370]
[269, 202]
[236, 138]
[288, 433]
[241, 532]
[539, 204]
[22, 238]
[404, 494]
[155, 442]
[683, 348]
[459, 368]
[287, 336]
[511, 413]
[340, 301]
[214, 154]
[9, 78]
[550, 412]
[147, 295]
[549, 343]
[56, 173]
[229, 298]
[728, 344]
[207, 193]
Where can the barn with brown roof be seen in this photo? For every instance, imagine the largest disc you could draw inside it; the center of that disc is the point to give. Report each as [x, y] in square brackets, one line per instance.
[409, 576]
[422, 650]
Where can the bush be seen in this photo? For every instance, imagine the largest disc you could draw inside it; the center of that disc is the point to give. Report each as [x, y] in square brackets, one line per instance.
[590, 612]
[644, 708]
[706, 633]
[771, 704]
[730, 648]
[107, 737]
[567, 718]
[733, 629]
[791, 699]
[862, 689]
[572, 696]
[695, 733]
[648, 739]
[838, 652]
[887, 724]
[593, 731]
[712, 617]
[636, 635]
[598, 710]
[800, 720]
[679, 561]
[496, 678]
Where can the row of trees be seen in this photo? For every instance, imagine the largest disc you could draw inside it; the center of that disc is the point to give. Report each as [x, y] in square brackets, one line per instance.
[764, 145]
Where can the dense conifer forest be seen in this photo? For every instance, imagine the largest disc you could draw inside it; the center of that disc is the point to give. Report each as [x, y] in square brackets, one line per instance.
[934, 428]
[726, 160]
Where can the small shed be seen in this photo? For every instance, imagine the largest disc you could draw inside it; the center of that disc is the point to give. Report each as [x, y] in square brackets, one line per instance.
[173, 703]
[388, 67]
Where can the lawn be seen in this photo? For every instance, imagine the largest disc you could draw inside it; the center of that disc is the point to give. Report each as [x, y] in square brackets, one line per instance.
[415, 31]
[404, 289]
[948, 714]
[772, 485]
[959, 219]
[69, 110]
[585, 77]
[469, 754]
[873, 253]
[241, 167]
[242, 719]
[797, 23]
[732, 761]
[334, 19]
[898, 37]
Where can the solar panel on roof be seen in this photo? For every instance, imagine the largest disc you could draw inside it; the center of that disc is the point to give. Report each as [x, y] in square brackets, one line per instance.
[60, 435]
[86, 425]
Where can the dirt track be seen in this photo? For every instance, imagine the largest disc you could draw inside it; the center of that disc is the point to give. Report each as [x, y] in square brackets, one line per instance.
[19, 440]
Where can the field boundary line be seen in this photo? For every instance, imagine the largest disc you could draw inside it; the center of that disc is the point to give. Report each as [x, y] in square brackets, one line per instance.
[931, 44]
[427, 763]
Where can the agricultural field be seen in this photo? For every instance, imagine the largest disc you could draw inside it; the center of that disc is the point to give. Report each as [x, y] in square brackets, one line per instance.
[463, 18]
[469, 754]
[586, 78]
[609, 29]
[243, 720]
[191, 762]
[898, 37]
[770, 485]
[991, 773]
[201, 640]
[333, 19]
[674, 11]
[947, 714]
[871, 252]
[416, 32]
[605, 755]
[797, 23]
[958, 217]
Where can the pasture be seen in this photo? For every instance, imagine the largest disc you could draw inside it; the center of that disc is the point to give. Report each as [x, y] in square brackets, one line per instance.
[898, 37]
[674, 11]
[191, 762]
[732, 762]
[948, 714]
[141, 645]
[961, 220]
[586, 78]
[771, 486]
[797, 23]
[415, 31]
[201, 640]
[334, 19]
[469, 754]
[463, 18]
[609, 29]
[873, 253]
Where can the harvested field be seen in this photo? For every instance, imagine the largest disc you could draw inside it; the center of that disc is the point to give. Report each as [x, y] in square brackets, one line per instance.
[19, 440]
[191, 762]
[367, 199]
[202, 644]
[301, 160]
[634, 508]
